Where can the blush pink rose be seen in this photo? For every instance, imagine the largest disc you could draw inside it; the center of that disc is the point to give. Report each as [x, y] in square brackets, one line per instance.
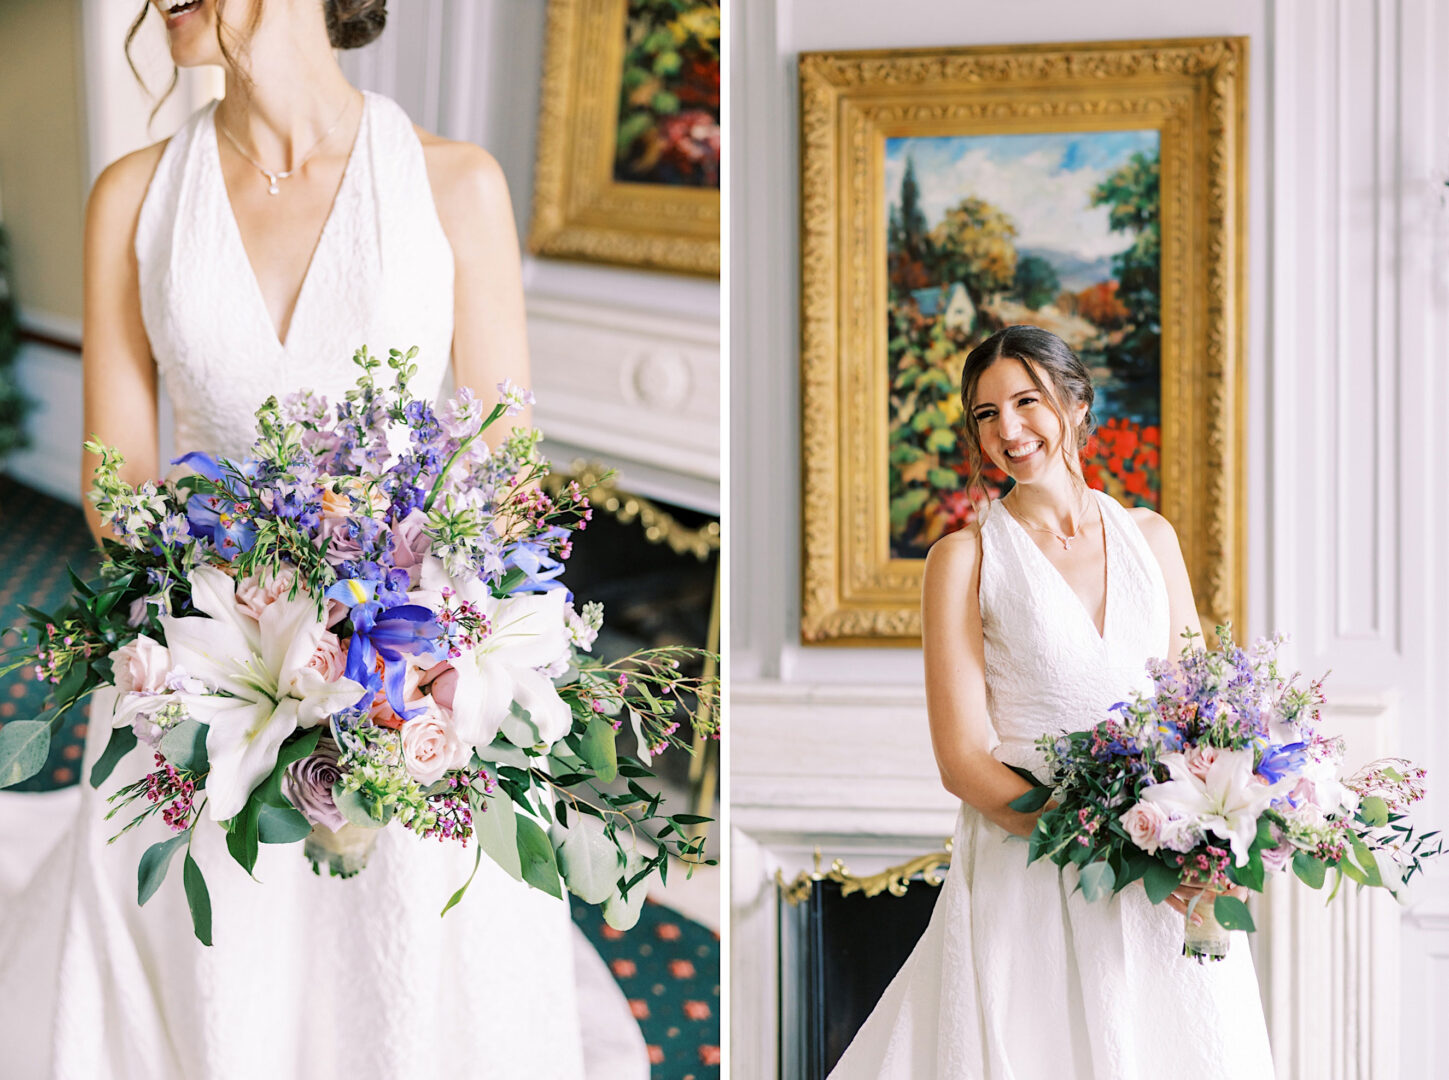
[431, 747]
[410, 544]
[254, 596]
[441, 680]
[141, 667]
[1200, 759]
[330, 657]
[1144, 824]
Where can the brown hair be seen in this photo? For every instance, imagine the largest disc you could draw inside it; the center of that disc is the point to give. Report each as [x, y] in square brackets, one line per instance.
[351, 24]
[1034, 348]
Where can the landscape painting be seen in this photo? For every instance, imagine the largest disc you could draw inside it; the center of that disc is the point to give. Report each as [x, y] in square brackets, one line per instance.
[984, 231]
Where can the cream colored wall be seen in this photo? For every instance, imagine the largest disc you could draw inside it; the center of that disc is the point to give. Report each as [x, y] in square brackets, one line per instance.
[42, 152]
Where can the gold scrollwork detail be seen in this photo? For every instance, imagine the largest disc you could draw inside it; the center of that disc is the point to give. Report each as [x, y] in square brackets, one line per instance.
[659, 525]
[894, 880]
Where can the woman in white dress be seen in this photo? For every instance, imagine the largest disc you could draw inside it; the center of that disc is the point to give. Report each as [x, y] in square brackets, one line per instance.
[250, 255]
[1037, 620]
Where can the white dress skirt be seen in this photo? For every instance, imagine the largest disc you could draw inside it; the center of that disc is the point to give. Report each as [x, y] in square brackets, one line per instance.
[309, 976]
[1017, 977]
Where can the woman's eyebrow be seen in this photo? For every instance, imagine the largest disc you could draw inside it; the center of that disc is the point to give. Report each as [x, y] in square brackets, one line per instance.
[1009, 397]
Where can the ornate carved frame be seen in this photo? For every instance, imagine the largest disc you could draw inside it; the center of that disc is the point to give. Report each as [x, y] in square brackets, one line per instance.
[579, 210]
[1194, 92]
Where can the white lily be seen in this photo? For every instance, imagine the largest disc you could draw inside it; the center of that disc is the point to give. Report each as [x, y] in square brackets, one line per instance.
[263, 687]
[1228, 802]
[527, 633]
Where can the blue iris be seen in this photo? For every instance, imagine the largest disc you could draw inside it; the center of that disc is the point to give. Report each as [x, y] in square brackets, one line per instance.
[214, 516]
[389, 633]
[1281, 761]
[540, 569]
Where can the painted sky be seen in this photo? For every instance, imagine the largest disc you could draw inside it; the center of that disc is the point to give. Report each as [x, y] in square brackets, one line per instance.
[1042, 181]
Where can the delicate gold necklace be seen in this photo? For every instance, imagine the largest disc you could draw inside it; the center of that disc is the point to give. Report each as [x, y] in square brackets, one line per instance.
[273, 177]
[1066, 541]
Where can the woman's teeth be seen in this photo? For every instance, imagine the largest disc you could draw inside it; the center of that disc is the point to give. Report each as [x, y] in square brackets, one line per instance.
[178, 7]
[1023, 451]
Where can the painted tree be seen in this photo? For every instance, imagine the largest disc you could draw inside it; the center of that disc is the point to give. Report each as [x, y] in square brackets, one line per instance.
[1036, 283]
[908, 238]
[1131, 195]
[975, 244]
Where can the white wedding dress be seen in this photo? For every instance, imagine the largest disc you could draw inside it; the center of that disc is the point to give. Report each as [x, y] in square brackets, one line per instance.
[309, 976]
[1017, 977]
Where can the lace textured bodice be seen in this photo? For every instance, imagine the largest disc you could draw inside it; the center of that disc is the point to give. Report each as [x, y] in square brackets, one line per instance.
[381, 276]
[1047, 670]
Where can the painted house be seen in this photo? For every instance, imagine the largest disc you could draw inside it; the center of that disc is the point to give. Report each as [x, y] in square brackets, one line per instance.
[951, 303]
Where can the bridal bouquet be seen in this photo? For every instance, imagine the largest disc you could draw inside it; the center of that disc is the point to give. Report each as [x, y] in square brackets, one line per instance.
[361, 625]
[1217, 778]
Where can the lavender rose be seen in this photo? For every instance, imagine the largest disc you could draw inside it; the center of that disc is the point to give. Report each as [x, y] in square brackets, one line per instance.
[411, 544]
[343, 546]
[308, 786]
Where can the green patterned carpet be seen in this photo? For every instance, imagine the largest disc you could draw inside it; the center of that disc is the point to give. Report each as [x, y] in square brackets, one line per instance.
[667, 965]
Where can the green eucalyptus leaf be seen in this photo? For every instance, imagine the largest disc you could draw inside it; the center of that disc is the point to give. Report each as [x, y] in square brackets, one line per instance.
[496, 831]
[535, 856]
[122, 741]
[588, 860]
[185, 746]
[597, 749]
[198, 899]
[453, 900]
[1310, 871]
[619, 912]
[1096, 880]
[24, 745]
[1370, 865]
[281, 825]
[1233, 914]
[1159, 880]
[154, 863]
[1374, 811]
[1029, 802]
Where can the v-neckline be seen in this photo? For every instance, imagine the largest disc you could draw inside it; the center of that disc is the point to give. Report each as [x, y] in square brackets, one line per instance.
[1100, 635]
[260, 298]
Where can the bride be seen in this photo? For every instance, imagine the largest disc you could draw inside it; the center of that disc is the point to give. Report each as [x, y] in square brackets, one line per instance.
[250, 255]
[1037, 622]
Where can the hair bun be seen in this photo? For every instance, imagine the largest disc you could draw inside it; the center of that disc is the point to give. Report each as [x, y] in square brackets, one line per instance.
[352, 24]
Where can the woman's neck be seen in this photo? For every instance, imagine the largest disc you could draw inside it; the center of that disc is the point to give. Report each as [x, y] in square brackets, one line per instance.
[292, 93]
[1055, 502]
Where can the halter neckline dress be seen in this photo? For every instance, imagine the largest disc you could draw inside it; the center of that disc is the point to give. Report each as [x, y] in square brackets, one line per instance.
[309, 976]
[1016, 977]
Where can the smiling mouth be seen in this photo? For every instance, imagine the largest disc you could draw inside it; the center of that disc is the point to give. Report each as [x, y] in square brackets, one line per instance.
[1018, 452]
[176, 9]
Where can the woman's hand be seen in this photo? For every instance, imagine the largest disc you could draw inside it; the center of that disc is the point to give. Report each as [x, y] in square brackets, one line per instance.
[1181, 898]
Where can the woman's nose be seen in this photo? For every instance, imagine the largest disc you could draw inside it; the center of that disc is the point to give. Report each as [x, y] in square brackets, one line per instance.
[1010, 424]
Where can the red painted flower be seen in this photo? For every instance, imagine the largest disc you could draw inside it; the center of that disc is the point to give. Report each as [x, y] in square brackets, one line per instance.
[623, 968]
[709, 1055]
[640, 1008]
[681, 969]
[697, 1010]
[667, 931]
[656, 1055]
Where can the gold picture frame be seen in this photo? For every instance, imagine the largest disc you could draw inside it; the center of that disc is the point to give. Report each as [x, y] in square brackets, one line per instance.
[1193, 92]
[580, 210]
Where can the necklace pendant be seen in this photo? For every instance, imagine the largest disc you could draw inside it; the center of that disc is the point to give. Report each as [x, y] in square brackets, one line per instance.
[1067, 542]
[272, 179]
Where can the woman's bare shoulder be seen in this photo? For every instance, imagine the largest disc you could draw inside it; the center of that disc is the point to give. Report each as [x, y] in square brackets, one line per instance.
[955, 554]
[466, 179]
[1155, 528]
[121, 188]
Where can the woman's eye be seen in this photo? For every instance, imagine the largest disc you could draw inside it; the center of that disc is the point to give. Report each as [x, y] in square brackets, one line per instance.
[1026, 401]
